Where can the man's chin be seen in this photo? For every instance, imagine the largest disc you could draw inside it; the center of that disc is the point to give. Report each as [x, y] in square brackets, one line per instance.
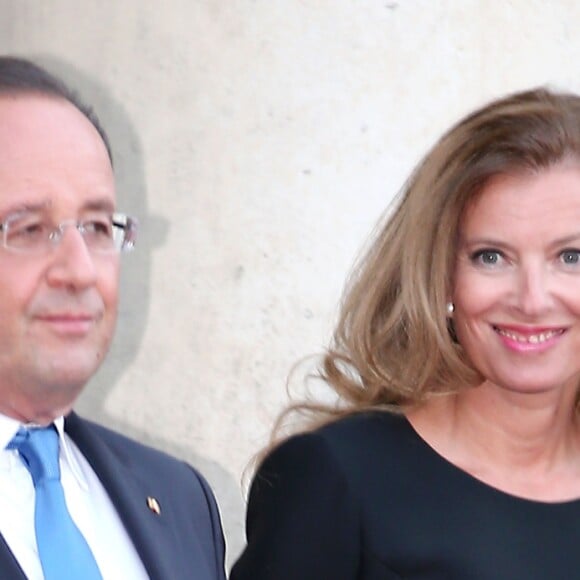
[69, 371]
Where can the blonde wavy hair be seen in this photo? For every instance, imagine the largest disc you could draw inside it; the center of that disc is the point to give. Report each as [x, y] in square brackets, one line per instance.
[393, 347]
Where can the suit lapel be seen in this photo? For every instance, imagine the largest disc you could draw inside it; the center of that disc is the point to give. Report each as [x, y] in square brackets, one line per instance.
[9, 567]
[150, 533]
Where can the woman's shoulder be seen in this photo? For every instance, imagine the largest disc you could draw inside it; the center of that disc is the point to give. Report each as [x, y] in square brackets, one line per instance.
[365, 424]
[366, 435]
[359, 441]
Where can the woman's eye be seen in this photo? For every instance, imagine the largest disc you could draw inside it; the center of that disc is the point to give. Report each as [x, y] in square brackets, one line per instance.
[487, 257]
[571, 257]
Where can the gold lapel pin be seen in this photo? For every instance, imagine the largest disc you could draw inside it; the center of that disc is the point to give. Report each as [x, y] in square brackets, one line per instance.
[153, 505]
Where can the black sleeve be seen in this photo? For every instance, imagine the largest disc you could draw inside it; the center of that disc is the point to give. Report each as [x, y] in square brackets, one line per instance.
[302, 521]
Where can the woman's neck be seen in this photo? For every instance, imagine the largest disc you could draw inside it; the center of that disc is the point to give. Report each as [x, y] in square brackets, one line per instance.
[525, 444]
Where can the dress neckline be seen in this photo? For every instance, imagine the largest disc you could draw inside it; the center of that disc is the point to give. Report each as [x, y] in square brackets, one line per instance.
[456, 471]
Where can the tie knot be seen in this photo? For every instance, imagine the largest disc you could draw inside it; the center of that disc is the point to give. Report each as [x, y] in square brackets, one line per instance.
[38, 449]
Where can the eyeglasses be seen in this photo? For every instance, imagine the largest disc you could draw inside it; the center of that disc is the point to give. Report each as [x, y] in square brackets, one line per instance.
[32, 232]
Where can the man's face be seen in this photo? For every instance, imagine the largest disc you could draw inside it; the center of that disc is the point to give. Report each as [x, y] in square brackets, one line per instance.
[58, 308]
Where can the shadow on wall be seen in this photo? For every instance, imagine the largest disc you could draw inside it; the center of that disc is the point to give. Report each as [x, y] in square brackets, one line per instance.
[135, 288]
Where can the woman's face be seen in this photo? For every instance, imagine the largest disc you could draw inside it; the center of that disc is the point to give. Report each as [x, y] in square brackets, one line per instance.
[517, 280]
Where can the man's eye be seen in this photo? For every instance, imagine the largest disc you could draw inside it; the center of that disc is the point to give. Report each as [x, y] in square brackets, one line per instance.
[99, 227]
[27, 230]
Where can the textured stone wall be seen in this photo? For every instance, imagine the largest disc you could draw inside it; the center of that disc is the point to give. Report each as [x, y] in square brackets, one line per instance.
[258, 141]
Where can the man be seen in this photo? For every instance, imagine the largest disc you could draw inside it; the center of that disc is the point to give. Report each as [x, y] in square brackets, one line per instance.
[142, 513]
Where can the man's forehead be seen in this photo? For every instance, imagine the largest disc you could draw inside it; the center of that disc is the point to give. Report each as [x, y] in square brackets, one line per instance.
[50, 151]
[26, 115]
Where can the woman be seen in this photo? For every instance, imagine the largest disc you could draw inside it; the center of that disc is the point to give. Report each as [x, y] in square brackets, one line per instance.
[456, 452]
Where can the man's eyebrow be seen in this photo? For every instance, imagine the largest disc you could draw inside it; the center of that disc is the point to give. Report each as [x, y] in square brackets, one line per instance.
[101, 204]
[24, 207]
[97, 204]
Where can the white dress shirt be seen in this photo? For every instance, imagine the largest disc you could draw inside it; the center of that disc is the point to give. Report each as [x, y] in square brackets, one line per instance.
[88, 503]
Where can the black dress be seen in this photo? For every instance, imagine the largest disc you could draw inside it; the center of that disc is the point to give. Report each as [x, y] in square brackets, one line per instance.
[366, 498]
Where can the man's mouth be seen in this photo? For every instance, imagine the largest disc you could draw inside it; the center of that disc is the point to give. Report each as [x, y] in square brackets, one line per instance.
[69, 323]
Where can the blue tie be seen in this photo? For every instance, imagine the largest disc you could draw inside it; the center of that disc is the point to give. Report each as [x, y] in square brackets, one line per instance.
[62, 549]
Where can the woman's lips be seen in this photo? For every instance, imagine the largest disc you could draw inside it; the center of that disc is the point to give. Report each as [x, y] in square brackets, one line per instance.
[526, 339]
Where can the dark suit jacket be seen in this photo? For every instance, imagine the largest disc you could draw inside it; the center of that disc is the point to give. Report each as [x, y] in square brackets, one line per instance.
[184, 541]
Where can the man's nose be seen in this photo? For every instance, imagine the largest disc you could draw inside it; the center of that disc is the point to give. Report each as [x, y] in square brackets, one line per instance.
[72, 263]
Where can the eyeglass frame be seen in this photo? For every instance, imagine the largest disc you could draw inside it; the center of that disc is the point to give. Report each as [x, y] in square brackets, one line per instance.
[127, 224]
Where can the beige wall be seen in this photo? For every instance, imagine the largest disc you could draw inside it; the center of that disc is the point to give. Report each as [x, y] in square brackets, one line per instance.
[258, 141]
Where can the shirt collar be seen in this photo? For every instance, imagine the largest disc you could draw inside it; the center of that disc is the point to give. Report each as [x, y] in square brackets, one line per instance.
[9, 427]
[68, 454]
